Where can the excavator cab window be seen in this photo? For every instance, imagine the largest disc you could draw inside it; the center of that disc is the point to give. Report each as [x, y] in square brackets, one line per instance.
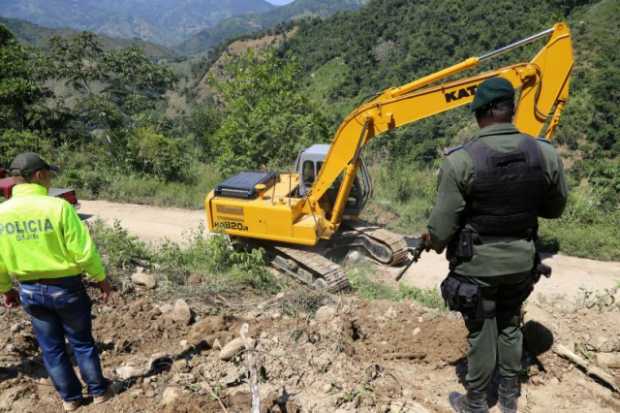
[308, 174]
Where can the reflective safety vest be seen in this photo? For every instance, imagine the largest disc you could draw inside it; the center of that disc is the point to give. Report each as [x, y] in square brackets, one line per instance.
[42, 237]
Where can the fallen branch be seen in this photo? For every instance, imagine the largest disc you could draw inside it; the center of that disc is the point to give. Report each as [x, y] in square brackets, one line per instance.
[251, 361]
[592, 371]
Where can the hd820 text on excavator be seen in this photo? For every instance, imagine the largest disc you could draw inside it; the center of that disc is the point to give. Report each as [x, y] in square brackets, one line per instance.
[303, 218]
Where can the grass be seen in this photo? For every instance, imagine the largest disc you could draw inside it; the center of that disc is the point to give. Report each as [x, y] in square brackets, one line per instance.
[403, 201]
[212, 261]
[587, 228]
[152, 191]
[404, 192]
[365, 287]
[220, 268]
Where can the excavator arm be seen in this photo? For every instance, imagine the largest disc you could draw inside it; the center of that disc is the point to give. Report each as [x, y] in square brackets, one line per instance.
[543, 84]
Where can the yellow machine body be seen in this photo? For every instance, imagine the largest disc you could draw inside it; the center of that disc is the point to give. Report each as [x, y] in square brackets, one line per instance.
[273, 215]
[277, 215]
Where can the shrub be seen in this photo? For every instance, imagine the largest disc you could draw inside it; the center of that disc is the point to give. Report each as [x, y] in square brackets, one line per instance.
[215, 261]
[406, 189]
[154, 153]
[587, 228]
[121, 252]
[220, 266]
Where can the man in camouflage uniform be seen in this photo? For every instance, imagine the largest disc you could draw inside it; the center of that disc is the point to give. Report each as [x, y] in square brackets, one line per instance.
[491, 192]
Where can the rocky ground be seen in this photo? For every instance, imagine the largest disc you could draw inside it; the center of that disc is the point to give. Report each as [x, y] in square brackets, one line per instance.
[349, 355]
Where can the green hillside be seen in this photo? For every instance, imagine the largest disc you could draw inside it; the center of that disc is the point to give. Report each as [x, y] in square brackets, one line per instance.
[39, 36]
[252, 23]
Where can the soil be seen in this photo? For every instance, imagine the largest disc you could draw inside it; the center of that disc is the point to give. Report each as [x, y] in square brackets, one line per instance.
[351, 356]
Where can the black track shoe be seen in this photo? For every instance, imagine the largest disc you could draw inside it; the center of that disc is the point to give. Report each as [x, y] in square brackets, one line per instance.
[508, 393]
[472, 402]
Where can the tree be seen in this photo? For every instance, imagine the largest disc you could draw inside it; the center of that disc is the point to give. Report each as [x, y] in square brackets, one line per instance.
[77, 61]
[135, 83]
[267, 119]
[154, 153]
[14, 142]
[19, 90]
[118, 84]
[605, 121]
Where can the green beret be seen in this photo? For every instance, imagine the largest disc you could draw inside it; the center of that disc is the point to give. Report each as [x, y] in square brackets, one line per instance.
[495, 88]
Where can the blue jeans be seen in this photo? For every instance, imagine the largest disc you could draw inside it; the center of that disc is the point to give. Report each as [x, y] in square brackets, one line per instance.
[58, 311]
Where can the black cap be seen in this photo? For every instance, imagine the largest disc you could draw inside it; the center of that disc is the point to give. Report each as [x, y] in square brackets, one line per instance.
[27, 163]
[491, 90]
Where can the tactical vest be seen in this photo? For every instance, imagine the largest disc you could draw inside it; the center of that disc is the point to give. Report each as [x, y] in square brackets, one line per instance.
[507, 190]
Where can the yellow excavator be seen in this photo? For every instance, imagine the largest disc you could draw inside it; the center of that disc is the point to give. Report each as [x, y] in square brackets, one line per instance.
[304, 218]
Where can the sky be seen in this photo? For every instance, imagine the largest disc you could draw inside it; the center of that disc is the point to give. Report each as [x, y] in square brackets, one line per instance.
[280, 2]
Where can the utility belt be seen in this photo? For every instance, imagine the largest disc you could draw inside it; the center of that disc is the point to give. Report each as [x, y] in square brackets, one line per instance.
[476, 302]
[461, 249]
[463, 296]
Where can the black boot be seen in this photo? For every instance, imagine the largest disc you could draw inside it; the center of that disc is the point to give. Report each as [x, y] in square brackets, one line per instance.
[508, 393]
[472, 402]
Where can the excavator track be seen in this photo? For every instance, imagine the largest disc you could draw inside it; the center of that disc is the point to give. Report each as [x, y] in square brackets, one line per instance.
[382, 245]
[310, 268]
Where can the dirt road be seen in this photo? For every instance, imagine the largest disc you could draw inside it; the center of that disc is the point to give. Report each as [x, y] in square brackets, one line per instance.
[570, 275]
[153, 224]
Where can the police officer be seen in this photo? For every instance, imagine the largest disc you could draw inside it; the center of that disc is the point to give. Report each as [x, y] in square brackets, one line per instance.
[491, 192]
[47, 249]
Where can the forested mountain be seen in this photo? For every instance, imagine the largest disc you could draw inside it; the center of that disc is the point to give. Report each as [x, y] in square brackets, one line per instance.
[39, 36]
[162, 21]
[240, 25]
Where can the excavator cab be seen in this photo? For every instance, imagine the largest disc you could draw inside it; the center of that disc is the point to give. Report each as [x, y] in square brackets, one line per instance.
[308, 165]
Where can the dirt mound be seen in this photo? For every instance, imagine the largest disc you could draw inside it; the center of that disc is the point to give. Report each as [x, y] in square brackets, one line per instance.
[386, 331]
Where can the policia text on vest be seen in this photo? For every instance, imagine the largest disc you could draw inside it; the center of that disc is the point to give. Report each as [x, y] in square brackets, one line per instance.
[26, 230]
